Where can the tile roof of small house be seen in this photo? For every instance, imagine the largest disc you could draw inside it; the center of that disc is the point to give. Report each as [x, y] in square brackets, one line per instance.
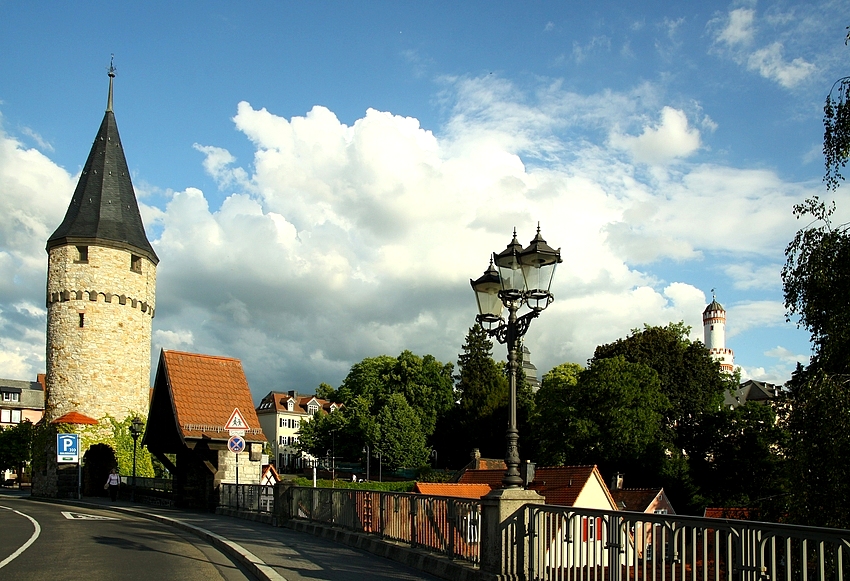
[635, 499]
[732, 513]
[75, 418]
[560, 485]
[454, 489]
[204, 390]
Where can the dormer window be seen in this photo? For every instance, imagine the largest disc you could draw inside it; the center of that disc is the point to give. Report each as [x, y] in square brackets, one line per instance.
[290, 405]
[312, 408]
[82, 255]
[136, 263]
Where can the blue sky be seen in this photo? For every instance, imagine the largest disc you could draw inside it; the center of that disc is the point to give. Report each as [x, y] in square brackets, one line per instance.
[321, 180]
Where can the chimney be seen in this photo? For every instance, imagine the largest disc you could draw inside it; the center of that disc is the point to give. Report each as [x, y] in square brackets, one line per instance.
[476, 458]
[617, 481]
[293, 394]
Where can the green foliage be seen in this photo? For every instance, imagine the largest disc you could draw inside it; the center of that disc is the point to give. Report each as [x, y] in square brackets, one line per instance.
[737, 461]
[402, 440]
[816, 282]
[16, 446]
[690, 378]
[836, 132]
[817, 420]
[325, 391]
[480, 417]
[401, 486]
[553, 401]
[610, 416]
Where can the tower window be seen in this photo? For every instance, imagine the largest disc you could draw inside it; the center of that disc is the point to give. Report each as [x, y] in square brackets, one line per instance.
[135, 263]
[82, 254]
[82, 320]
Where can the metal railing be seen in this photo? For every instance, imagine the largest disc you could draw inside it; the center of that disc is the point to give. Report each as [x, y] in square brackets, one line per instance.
[450, 526]
[146, 483]
[247, 497]
[584, 544]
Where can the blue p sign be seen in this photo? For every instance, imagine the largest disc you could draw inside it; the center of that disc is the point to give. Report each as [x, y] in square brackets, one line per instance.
[67, 448]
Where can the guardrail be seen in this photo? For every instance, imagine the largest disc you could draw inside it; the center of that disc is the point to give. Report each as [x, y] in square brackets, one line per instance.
[146, 483]
[545, 542]
[450, 526]
[247, 497]
[586, 544]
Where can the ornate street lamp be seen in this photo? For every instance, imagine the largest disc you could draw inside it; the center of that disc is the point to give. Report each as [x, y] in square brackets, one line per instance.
[136, 428]
[523, 278]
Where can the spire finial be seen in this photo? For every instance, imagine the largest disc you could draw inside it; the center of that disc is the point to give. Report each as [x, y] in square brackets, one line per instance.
[713, 297]
[111, 72]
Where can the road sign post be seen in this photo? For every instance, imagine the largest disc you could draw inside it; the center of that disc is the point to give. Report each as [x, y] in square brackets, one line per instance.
[236, 426]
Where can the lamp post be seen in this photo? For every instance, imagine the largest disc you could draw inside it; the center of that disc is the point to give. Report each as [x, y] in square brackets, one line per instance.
[378, 454]
[523, 278]
[366, 451]
[136, 427]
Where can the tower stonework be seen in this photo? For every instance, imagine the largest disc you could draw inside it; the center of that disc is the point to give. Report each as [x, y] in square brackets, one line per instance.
[101, 292]
[714, 331]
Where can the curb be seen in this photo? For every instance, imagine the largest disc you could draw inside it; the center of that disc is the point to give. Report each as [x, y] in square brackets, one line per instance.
[254, 564]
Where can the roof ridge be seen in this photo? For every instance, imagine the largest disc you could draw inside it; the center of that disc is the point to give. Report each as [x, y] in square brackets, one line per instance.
[175, 352]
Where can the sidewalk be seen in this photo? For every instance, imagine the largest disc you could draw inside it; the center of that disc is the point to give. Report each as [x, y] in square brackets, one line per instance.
[271, 553]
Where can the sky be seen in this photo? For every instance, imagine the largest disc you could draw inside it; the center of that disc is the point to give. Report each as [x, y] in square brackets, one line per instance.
[321, 180]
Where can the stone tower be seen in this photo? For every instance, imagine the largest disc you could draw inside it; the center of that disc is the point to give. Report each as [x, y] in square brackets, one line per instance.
[101, 291]
[714, 330]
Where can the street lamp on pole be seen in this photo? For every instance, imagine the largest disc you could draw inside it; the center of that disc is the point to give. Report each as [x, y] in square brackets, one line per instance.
[366, 451]
[523, 278]
[136, 427]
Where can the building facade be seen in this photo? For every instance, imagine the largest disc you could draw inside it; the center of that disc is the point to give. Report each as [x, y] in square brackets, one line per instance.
[281, 416]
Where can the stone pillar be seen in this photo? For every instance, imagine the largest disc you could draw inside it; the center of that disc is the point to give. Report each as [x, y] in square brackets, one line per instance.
[504, 543]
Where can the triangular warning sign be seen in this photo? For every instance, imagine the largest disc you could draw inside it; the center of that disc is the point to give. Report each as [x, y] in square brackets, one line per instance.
[236, 421]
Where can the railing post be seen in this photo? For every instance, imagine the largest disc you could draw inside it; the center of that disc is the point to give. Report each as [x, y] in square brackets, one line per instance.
[501, 511]
[614, 546]
[414, 509]
[451, 518]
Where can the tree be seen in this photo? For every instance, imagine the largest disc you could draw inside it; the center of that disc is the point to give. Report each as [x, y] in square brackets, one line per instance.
[836, 133]
[816, 282]
[690, 378]
[693, 384]
[737, 460]
[611, 416]
[818, 448]
[16, 447]
[480, 417]
[552, 400]
[402, 441]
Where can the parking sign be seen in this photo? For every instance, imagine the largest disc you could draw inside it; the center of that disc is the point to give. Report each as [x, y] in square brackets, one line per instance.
[67, 448]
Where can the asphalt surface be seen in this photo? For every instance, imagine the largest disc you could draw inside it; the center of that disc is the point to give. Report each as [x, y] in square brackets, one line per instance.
[63, 541]
[261, 550]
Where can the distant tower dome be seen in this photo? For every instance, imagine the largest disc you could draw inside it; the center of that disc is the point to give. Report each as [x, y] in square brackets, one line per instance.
[714, 331]
[101, 291]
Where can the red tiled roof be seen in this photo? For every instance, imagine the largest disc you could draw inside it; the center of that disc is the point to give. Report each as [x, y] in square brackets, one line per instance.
[278, 402]
[75, 418]
[492, 478]
[205, 389]
[733, 513]
[454, 489]
[559, 485]
[635, 499]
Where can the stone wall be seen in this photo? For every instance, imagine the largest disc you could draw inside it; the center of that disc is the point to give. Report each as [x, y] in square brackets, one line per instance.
[99, 316]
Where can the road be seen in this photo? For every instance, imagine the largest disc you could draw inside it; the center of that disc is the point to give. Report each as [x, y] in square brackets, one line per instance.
[56, 541]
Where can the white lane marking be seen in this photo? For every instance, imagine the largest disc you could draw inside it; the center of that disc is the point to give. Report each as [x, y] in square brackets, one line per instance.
[83, 516]
[26, 545]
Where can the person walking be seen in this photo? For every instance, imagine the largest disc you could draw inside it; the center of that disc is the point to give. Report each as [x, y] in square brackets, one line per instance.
[113, 481]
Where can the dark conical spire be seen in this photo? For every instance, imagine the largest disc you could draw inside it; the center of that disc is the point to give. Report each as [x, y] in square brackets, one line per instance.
[103, 210]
